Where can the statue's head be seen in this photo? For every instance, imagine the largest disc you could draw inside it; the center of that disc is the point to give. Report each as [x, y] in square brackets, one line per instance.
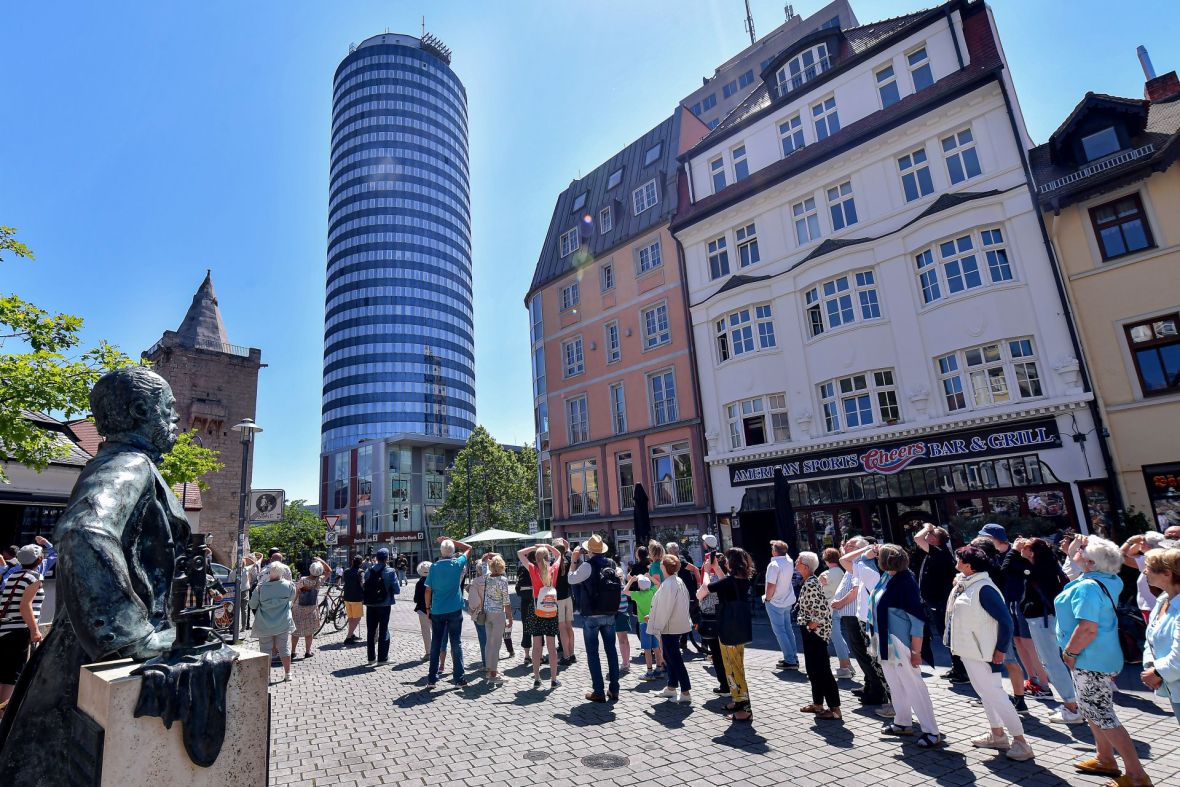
[135, 400]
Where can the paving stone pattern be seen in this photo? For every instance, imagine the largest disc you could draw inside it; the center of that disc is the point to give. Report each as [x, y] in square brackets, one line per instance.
[340, 722]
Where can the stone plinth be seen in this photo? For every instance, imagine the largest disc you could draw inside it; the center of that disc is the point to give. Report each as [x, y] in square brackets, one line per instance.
[143, 751]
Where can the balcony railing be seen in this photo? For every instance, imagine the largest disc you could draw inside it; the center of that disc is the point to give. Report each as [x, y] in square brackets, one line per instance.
[674, 492]
[1098, 166]
[627, 497]
[582, 503]
[788, 81]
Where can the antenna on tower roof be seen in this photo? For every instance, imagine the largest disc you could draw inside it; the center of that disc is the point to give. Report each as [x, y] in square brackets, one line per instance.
[424, 24]
[750, 23]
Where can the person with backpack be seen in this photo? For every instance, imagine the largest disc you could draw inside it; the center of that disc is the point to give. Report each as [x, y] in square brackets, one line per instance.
[543, 565]
[599, 576]
[380, 587]
[444, 599]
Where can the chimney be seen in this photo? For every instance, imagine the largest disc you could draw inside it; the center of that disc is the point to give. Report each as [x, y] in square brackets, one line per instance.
[1161, 88]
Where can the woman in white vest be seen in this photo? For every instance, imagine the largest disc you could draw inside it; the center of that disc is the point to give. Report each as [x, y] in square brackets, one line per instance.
[978, 631]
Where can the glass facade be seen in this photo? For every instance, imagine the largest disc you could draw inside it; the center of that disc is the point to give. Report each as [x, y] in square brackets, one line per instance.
[399, 328]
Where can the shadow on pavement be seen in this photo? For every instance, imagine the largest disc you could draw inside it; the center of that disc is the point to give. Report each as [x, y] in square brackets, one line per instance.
[741, 735]
[669, 714]
[834, 733]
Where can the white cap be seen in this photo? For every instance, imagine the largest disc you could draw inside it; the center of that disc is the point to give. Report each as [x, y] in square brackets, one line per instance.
[710, 540]
[644, 582]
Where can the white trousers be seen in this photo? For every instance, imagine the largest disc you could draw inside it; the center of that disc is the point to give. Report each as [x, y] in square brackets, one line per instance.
[987, 684]
[908, 692]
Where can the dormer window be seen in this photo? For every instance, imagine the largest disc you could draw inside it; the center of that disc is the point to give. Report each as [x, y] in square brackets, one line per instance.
[1101, 143]
[579, 202]
[803, 68]
[652, 154]
[615, 179]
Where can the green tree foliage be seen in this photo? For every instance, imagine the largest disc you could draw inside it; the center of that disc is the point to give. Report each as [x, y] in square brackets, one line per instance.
[501, 485]
[42, 369]
[298, 532]
[188, 462]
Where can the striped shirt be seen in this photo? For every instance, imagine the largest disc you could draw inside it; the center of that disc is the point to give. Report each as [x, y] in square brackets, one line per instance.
[14, 592]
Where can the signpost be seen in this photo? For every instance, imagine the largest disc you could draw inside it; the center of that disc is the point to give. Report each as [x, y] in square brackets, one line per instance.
[331, 535]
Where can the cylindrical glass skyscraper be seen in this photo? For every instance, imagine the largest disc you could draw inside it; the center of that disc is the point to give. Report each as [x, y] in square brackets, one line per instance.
[398, 326]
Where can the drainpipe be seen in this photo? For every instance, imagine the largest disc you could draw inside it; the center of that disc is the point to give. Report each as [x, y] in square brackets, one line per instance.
[1054, 266]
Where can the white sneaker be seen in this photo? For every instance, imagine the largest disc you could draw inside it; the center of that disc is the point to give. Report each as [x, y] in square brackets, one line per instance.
[685, 698]
[1064, 715]
[668, 692]
[990, 741]
[885, 712]
[843, 673]
[1020, 751]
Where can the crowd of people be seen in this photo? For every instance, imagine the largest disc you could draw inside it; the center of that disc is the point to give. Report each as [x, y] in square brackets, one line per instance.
[1045, 615]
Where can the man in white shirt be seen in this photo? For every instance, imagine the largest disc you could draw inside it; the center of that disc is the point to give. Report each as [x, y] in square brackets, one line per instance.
[865, 576]
[779, 599]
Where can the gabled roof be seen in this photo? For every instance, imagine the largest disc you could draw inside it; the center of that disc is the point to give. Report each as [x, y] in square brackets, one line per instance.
[1154, 147]
[73, 456]
[855, 44]
[85, 434]
[202, 324]
[626, 225]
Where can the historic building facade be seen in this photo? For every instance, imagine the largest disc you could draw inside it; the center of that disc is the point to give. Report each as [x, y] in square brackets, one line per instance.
[614, 393]
[216, 386]
[1110, 192]
[874, 309]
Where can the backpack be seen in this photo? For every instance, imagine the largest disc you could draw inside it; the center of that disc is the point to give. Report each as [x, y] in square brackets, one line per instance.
[376, 594]
[546, 606]
[606, 590]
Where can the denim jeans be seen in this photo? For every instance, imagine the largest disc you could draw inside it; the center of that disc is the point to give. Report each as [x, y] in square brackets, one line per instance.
[449, 625]
[481, 633]
[838, 643]
[594, 626]
[1044, 639]
[377, 627]
[780, 624]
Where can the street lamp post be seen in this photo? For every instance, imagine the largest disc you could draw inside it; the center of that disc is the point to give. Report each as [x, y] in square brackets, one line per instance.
[246, 429]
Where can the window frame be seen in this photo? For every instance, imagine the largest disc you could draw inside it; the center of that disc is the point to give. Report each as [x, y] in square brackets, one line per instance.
[662, 335]
[961, 151]
[806, 217]
[914, 67]
[745, 331]
[874, 390]
[580, 202]
[615, 179]
[794, 132]
[1007, 362]
[583, 405]
[991, 256]
[569, 242]
[618, 407]
[606, 220]
[746, 241]
[886, 82]
[587, 468]
[606, 277]
[668, 404]
[652, 154]
[569, 296]
[844, 203]
[735, 416]
[577, 359]
[612, 342]
[642, 268]
[913, 170]
[1152, 344]
[717, 173]
[829, 116]
[788, 79]
[717, 251]
[861, 290]
[1140, 215]
[642, 192]
[741, 164]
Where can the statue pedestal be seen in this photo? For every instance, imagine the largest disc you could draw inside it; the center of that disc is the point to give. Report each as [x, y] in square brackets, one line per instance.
[143, 751]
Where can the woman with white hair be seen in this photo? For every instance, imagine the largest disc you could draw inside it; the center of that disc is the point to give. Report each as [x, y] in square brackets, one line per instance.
[271, 602]
[307, 611]
[815, 619]
[542, 566]
[1088, 635]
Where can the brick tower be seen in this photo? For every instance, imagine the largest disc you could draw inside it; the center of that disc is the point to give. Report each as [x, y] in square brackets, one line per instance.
[216, 386]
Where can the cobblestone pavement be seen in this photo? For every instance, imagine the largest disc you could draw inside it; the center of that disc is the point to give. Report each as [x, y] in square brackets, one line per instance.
[339, 721]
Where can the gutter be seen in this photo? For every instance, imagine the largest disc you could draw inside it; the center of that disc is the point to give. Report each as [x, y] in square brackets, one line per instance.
[1063, 296]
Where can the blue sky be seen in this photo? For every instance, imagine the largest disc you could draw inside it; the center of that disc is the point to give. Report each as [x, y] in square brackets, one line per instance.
[143, 142]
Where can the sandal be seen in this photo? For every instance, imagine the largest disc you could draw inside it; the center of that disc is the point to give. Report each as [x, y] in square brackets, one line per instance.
[734, 717]
[1125, 781]
[929, 740]
[897, 729]
[832, 714]
[1097, 767]
[812, 708]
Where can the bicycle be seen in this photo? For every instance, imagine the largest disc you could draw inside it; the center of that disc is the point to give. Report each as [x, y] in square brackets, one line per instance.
[332, 609]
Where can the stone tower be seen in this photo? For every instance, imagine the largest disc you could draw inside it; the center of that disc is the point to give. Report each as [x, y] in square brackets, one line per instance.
[216, 386]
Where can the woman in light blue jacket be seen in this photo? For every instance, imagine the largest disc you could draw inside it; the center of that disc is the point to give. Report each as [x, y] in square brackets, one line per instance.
[1161, 652]
[273, 624]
